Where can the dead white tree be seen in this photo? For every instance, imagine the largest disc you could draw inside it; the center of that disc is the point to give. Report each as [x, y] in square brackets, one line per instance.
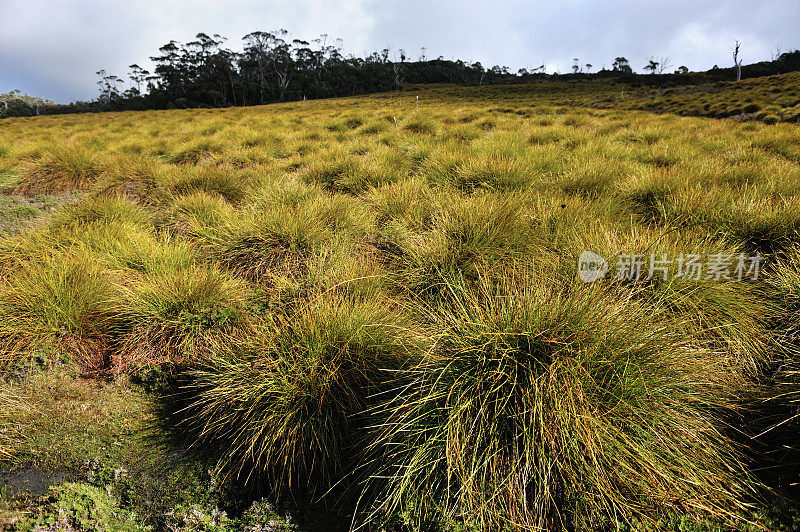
[737, 62]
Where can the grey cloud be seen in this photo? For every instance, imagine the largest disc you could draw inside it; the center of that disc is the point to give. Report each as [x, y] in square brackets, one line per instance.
[52, 48]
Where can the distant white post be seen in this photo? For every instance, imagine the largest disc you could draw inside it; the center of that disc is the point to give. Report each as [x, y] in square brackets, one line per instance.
[737, 62]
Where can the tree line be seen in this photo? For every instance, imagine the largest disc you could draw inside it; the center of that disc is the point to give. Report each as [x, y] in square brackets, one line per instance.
[273, 67]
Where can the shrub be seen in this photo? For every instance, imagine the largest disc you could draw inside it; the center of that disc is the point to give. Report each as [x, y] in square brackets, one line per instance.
[80, 506]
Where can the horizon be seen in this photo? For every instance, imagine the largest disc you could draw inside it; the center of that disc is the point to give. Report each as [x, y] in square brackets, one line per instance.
[53, 52]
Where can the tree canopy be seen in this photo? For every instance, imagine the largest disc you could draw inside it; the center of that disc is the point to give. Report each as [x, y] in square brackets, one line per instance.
[273, 67]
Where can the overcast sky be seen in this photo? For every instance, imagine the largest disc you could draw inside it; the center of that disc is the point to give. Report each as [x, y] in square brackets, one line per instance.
[51, 48]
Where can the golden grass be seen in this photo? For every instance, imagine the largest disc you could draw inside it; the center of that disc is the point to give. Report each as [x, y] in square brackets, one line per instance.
[287, 244]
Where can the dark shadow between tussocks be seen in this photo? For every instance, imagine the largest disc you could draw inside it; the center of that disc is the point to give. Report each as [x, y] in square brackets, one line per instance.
[315, 507]
[766, 429]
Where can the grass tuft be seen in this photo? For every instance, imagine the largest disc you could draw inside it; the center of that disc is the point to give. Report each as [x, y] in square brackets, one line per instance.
[543, 408]
[60, 168]
[60, 306]
[179, 317]
[285, 411]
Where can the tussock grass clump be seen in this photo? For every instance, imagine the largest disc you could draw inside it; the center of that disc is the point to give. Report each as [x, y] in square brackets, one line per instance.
[353, 173]
[104, 209]
[645, 136]
[59, 168]
[137, 177]
[647, 196]
[18, 249]
[718, 309]
[59, 305]
[657, 156]
[784, 280]
[339, 173]
[354, 272]
[782, 145]
[420, 123]
[10, 405]
[727, 316]
[543, 408]
[496, 163]
[589, 179]
[194, 214]
[194, 151]
[408, 202]
[762, 224]
[347, 123]
[125, 249]
[222, 180]
[291, 260]
[285, 412]
[150, 254]
[492, 171]
[465, 133]
[275, 192]
[373, 128]
[467, 234]
[260, 243]
[438, 165]
[548, 135]
[179, 316]
[347, 217]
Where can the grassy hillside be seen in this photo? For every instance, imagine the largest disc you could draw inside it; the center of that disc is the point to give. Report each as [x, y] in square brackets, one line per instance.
[369, 310]
[767, 99]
